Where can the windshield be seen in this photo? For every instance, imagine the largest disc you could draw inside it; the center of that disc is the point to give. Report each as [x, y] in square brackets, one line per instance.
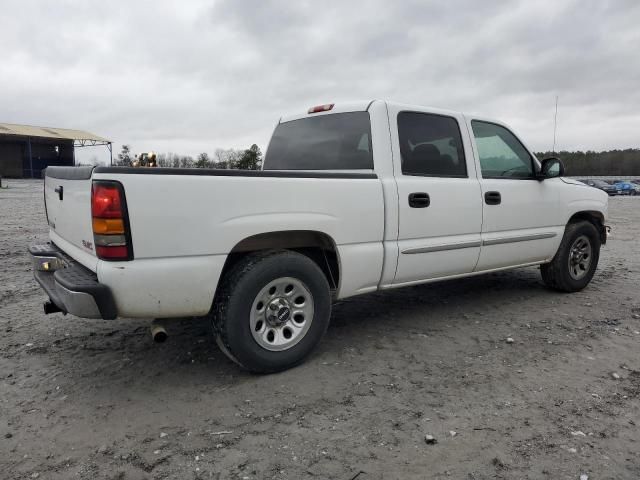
[340, 141]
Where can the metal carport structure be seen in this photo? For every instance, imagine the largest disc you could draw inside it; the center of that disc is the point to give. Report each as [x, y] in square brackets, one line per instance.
[25, 150]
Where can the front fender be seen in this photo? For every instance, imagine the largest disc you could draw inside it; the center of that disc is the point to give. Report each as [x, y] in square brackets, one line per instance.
[591, 208]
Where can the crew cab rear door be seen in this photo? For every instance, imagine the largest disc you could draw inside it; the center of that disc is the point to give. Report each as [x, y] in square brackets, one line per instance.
[440, 209]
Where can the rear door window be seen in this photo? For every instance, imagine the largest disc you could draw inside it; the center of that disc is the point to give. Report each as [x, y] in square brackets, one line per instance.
[431, 145]
[339, 141]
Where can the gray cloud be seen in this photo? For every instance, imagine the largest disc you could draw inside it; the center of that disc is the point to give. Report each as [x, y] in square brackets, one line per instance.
[199, 75]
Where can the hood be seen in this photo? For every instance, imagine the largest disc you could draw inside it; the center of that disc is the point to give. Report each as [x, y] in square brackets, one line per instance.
[572, 181]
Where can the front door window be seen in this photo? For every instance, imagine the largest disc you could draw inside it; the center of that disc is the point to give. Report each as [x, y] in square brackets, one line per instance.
[501, 153]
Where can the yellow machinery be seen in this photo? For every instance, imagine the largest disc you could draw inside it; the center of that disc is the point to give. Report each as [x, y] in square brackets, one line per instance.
[145, 159]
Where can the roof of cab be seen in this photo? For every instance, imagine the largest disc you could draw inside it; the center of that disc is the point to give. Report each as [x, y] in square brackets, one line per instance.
[357, 106]
[341, 107]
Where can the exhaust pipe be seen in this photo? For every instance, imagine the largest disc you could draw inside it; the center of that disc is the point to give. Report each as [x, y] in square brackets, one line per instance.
[50, 307]
[158, 333]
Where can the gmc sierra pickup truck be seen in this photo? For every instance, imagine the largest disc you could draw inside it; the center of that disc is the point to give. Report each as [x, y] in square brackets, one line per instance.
[352, 198]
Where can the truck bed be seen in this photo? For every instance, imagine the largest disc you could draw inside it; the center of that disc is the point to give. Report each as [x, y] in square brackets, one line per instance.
[184, 223]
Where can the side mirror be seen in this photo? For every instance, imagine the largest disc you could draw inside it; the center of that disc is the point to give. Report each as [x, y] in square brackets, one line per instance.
[551, 167]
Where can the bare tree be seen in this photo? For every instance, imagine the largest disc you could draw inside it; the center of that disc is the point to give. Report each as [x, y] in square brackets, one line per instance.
[162, 160]
[226, 158]
[186, 162]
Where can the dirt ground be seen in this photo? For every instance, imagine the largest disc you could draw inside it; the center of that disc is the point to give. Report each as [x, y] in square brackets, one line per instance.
[92, 399]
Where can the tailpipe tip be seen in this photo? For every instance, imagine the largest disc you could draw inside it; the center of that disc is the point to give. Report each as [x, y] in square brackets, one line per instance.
[159, 334]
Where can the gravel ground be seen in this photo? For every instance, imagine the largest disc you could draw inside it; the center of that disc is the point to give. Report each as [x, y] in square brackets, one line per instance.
[93, 399]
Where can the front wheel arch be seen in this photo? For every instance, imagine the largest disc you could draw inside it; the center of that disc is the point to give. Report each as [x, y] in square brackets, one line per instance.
[594, 217]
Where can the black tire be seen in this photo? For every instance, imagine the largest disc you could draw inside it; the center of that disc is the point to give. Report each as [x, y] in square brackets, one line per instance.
[557, 273]
[234, 302]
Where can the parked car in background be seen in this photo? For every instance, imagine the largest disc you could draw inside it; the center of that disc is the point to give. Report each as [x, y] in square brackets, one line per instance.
[628, 188]
[604, 186]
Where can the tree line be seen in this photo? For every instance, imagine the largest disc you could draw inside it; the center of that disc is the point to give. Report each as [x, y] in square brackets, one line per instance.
[577, 163]
[249, 159]
[608, 163]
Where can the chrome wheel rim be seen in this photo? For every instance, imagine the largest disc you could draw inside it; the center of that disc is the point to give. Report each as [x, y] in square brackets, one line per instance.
[281, 314]
[580, 255]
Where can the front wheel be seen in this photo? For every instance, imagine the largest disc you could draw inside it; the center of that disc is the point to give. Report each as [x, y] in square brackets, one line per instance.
[575, 262]
[271, 310]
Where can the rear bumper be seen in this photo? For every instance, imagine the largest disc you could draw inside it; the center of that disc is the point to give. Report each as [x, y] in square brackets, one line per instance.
[71, 287]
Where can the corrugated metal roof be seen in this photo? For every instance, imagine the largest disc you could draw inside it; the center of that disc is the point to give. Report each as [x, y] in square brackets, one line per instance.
[48, 132]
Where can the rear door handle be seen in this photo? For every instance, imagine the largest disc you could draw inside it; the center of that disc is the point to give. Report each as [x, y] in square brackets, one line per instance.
[60, 191]
[492, 198]
[419, 200]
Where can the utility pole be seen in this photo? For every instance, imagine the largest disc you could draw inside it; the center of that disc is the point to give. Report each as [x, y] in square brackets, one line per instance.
[29, 152]
[555, 126]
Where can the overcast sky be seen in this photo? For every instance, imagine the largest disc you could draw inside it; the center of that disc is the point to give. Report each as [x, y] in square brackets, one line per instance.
[194, 76]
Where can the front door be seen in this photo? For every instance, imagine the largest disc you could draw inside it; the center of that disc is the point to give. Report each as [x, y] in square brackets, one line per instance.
[521, 219]
[440, 208]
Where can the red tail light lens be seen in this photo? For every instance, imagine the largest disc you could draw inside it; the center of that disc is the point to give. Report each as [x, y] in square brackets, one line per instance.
[111, 234]
[105, 201]
[113, 252]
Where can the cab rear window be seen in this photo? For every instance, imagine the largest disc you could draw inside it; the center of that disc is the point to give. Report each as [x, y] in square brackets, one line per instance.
[340, 141]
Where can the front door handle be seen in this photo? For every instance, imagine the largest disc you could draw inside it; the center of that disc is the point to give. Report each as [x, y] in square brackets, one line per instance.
[419, 200]
[60, 191]
[492, 198]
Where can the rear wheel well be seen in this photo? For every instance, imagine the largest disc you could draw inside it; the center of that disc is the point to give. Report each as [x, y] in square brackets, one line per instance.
[594, 217]
[318, 246]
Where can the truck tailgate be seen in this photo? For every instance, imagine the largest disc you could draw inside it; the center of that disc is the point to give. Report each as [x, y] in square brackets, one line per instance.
[67, 195]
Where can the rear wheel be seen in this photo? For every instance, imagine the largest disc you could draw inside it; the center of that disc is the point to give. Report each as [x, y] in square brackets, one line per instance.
[575, 262]
[271, 310]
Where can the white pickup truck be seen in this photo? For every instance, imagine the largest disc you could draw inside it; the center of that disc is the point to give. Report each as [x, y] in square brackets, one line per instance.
[353, 198]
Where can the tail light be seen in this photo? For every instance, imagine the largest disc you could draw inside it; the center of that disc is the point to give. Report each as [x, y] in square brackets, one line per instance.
[111, 234]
